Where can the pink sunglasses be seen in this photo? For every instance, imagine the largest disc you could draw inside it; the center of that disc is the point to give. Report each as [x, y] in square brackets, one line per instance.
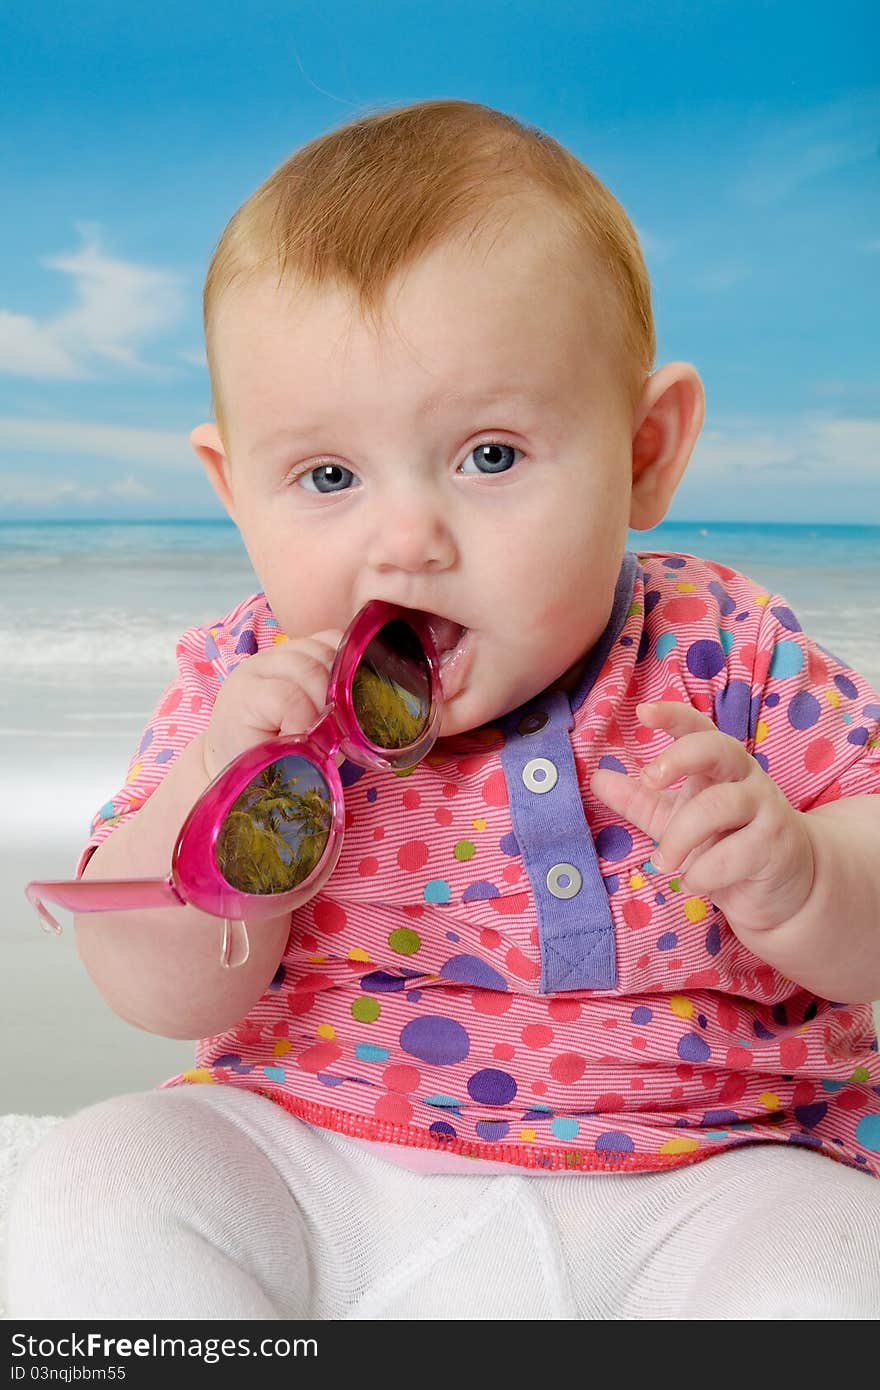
[265, 836]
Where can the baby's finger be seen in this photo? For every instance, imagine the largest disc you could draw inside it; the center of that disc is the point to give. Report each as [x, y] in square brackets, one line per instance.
[304, 702]
[286, 704]
[323, 645]
[331, 638]
[731, 861]
[709, 753]
[289, 659]
[283, 685]
[629, 797]
[712, 813]
[674, 717]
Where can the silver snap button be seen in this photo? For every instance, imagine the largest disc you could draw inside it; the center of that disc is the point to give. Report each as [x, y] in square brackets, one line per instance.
[531, 723]
[564, 881]
[540, 775]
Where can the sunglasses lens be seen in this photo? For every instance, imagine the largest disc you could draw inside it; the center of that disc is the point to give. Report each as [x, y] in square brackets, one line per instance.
[391, 690]
[275, 832]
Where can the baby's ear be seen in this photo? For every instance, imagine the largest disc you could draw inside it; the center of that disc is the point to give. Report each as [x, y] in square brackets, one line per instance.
[669, 418]
[208, 444]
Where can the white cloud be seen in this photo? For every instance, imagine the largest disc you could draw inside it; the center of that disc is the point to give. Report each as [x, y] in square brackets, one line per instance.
[195, 359]
[654, 248]
[155, 448]
[131, 489]
[854, 395]
[817, 448]
[117, 305]
[810, 468]
[716, 279]
[28, 348]
[20, 490]
[795, 150]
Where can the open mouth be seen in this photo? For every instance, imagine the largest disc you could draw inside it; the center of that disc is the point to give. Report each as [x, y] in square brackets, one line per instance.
[456, 652]
[447, 634]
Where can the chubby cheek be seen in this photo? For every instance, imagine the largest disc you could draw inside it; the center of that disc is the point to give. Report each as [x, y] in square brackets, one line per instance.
[538, 601]
[299, 587]
[555, 615]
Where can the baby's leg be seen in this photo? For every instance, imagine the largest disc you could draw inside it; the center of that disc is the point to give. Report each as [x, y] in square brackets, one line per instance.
[213, 1202]
[157, 1205]
[765, 1231]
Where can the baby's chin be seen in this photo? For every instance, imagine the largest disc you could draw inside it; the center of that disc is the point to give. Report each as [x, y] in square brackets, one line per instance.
[473, 710]
[468, 716]
[456, 722]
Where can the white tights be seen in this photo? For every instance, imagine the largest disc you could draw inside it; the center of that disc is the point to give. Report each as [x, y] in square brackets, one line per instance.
[213, 1202]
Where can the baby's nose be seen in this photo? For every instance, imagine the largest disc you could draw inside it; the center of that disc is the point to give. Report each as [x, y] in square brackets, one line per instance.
[412, 537]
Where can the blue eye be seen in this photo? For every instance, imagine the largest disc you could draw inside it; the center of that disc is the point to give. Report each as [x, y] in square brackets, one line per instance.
[327, 478]
[495, 456]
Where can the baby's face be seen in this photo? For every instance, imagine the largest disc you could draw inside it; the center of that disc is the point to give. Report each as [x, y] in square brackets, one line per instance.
[473, 460]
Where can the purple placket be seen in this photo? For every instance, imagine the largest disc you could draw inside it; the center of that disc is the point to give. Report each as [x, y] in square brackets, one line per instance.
[575, 926]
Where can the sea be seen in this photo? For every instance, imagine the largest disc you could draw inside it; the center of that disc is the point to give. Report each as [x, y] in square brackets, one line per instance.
[90, 611]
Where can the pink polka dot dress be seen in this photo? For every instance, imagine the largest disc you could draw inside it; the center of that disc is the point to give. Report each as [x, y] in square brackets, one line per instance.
[496, 969]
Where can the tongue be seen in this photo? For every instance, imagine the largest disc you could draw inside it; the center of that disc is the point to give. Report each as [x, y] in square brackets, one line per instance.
[444, 631]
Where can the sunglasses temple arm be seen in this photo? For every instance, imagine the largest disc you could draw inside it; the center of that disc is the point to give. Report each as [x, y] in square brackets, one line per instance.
[119, 894]
[100, 895]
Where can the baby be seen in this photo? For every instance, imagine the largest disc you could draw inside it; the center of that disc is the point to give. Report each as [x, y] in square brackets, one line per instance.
[564, 1007]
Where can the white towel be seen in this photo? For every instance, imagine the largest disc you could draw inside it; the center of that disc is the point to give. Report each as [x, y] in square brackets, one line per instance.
[18, 1135]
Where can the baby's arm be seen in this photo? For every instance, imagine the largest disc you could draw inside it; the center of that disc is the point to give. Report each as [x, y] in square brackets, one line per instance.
[160, 969]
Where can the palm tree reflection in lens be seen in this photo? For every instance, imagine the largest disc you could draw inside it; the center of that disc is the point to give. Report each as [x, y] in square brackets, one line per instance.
[274, 833]
[276, 830]
[391, 690]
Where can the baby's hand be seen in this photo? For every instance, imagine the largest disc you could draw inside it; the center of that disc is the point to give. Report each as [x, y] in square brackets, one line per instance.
[729, 828]
[280, 690]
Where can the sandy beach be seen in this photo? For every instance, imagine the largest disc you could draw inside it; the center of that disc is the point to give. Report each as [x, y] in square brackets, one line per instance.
[90, 646]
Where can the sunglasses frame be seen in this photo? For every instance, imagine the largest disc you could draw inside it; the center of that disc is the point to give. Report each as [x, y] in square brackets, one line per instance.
[195, 876]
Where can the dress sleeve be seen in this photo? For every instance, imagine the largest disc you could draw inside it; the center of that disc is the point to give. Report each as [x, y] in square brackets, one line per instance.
[815, 722]
[182, 712]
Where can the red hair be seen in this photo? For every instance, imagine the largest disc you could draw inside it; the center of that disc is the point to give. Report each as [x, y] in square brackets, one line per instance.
[355, 206]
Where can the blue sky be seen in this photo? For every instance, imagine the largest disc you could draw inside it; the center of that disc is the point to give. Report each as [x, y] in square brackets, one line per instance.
[741, 138]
